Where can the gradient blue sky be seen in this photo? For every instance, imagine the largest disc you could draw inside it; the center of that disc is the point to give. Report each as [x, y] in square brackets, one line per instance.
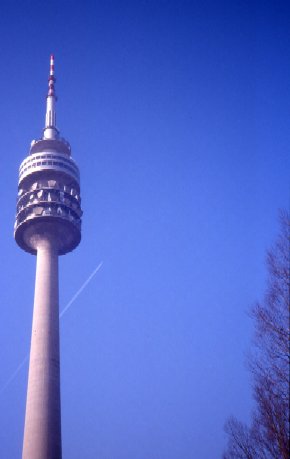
[178, 116]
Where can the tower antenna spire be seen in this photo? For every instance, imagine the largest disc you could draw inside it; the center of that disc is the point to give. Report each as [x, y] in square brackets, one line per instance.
[50, 130]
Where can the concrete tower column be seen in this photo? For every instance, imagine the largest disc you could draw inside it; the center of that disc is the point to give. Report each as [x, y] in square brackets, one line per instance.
[42, 432]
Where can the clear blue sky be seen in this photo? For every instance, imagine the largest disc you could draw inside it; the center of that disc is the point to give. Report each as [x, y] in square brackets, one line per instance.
[178, 116]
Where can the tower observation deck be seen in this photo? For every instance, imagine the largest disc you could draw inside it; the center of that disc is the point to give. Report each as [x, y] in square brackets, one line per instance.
[48, 224]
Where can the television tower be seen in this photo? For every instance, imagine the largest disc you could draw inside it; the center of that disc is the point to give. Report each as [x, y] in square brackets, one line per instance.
[48, 224]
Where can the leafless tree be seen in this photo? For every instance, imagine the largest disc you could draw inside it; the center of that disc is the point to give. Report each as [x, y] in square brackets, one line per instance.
[241, 442]
[268, 435]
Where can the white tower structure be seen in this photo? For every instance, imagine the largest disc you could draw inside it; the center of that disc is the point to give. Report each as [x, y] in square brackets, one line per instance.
[48, 224]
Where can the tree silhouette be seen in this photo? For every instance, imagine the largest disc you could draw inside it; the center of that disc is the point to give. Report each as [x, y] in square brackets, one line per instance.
[268, 435]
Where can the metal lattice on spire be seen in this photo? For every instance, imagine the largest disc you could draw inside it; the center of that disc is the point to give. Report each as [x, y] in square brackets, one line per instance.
[51, 79]
[50, 130]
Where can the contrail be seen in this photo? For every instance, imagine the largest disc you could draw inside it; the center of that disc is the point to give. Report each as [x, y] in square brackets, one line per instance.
[80, 290]
[14, 374]
[21, 365]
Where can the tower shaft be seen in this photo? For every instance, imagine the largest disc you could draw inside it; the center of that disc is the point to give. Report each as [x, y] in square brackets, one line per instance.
[42, 431]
